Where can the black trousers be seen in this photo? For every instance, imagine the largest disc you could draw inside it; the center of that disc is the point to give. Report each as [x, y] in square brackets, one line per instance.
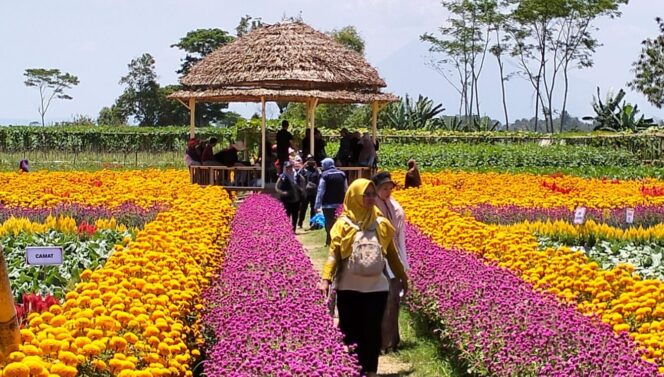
[309, 202]
[330, 218]
[292, 210]
[360, 317]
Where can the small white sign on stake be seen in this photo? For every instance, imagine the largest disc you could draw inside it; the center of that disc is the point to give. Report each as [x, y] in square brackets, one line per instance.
[580, 215]
[43, 255]
[629, 215]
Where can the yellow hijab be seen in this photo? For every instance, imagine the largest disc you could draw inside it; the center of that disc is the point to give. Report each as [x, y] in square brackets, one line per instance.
[344, 234]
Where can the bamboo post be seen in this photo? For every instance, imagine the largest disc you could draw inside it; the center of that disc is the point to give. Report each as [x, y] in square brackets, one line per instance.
[311, 118]
[263, 151]
[9, 335]
[192, 118]
[374, 121]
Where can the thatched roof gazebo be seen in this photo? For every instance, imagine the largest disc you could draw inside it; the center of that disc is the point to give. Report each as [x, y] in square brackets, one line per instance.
[289, 62]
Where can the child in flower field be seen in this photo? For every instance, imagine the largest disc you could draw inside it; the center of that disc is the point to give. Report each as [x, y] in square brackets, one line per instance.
[391, 209]
[362, 241]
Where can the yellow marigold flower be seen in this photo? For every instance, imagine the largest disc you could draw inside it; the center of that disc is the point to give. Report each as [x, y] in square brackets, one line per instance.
[69, 358]
[91, 350]
[31, 350]
[16, 370]
[99, 365]
[63, 370]
[35, 364]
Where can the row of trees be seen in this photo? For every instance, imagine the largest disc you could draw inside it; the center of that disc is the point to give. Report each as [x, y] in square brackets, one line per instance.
[546, 38]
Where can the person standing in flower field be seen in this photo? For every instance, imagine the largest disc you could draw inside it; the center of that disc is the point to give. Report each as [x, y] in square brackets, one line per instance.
[393, 211]
[289, 188]
[413, 178]
[331, 190]
[362, 242]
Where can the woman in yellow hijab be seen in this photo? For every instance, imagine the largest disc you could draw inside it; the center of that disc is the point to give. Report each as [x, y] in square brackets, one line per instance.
[362, 295]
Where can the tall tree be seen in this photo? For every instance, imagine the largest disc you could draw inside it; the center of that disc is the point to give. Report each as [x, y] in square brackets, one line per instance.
[111, 116]
[197, 44]
[551, 37]
[497, 20]
[463, 44]
[649, 69]
[51, 84]
[141, 97]
[349, 37]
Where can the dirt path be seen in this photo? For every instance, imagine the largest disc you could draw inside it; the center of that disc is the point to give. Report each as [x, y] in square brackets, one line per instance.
[314, 242]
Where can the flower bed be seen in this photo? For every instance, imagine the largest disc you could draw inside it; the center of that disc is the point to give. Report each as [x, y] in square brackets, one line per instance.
[644, 216]
[266, 315]
[504, 328]
[128, 214]
[81, 251]
[620, 297]
[138, 315]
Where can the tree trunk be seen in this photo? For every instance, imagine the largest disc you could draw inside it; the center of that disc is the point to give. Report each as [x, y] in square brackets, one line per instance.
[563, 114]
[502, 88]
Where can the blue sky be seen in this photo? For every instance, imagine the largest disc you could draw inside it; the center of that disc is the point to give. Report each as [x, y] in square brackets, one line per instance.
[96, 39]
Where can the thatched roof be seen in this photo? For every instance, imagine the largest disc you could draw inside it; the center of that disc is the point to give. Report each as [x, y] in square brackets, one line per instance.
[288, 95]
[288, 55]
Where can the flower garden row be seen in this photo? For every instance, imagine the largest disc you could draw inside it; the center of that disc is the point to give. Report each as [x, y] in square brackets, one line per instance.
[618, 297]
[138, 314]
[265, 313]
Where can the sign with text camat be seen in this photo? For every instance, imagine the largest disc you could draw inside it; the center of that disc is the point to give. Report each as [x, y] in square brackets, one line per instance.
[43, 255]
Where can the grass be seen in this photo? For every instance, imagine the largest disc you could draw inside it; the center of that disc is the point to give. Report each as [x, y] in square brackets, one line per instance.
[64, 161]
[419, 345]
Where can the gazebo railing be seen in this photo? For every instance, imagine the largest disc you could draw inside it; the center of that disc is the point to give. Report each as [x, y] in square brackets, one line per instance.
[248, 178]
[245, 178]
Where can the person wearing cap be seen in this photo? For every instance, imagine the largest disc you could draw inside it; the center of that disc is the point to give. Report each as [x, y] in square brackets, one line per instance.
[393, 211]
[288, 188]
[331, 191]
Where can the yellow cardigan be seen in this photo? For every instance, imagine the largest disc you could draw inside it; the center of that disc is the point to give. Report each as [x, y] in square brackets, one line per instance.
[338, 253]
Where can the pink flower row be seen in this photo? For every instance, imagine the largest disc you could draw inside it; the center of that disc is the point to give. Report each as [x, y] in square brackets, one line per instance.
[266, 315]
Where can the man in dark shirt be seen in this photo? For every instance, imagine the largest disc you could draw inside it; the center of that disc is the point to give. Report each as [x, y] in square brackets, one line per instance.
[284, 142]
[208, 152]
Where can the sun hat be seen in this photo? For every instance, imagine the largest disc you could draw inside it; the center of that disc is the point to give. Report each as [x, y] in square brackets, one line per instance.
[382, 178]
[239, 145]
